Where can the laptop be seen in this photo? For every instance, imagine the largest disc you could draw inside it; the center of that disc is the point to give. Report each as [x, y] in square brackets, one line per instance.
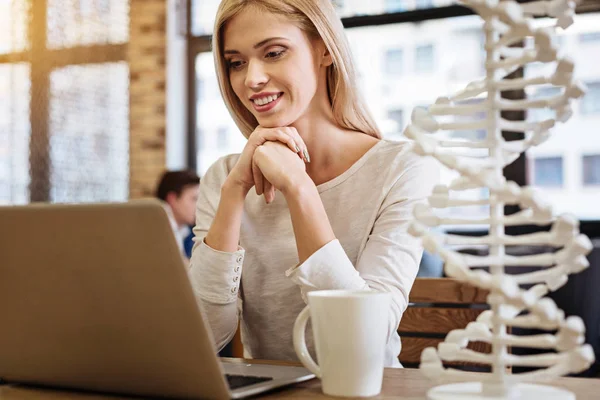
[96, 297]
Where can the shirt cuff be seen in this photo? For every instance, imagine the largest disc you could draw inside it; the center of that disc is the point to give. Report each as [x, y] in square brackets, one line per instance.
[215, 274]
[327, 268]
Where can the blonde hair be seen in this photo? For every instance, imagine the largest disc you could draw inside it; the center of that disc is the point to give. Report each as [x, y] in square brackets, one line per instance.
[318, 19]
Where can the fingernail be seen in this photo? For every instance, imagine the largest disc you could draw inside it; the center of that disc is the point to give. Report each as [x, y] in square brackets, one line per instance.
[306, 156]
[297, 149]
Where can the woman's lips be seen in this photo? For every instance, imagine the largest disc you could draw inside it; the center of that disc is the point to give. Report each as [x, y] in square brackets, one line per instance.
[268, 106]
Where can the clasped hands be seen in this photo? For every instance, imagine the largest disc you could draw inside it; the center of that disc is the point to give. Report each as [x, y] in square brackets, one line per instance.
[273, 159]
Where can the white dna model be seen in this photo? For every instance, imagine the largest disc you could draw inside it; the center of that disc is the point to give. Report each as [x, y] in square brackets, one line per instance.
[505, 23]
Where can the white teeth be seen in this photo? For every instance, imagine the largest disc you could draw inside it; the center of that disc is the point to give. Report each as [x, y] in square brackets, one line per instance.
[265, 100]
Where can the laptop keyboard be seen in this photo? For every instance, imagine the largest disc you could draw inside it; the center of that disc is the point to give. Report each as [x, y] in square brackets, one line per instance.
[238, 381]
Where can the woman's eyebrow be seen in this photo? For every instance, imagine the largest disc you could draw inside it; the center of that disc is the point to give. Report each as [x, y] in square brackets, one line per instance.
[257, 45]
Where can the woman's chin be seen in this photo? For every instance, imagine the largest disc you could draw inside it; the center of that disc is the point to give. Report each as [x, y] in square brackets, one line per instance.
[268, 124]
[272, 122]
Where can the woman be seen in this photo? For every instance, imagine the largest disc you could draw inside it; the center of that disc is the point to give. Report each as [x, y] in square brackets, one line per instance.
[337, 198]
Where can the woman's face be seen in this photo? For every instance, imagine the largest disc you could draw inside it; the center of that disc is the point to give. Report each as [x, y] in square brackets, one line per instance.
[273, 66]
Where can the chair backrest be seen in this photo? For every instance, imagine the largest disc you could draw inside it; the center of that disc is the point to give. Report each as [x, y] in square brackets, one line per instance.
[237, 348]
[437, 306]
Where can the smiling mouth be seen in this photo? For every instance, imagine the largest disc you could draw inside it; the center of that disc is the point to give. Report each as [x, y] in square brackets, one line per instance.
[266, 103]
[261, 101]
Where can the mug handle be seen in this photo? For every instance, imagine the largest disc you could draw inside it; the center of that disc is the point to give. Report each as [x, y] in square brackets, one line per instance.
[300, 342]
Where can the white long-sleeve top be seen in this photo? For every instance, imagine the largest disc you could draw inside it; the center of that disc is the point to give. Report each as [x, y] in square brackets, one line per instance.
[369, 207]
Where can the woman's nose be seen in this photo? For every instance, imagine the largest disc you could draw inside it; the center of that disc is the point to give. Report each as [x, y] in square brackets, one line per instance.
[256, 75]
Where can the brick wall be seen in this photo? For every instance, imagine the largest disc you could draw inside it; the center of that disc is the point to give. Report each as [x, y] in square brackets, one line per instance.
[147, 94]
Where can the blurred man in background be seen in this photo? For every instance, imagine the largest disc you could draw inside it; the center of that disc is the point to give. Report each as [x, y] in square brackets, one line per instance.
[179, 191]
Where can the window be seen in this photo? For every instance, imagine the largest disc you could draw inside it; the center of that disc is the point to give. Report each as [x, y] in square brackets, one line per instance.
[213, 118]
[13, 26]
[15, 133]
[200, 89]
[542, 92]
[467, 64]
[222, 138]
[590, 104]
[397, 119]
[474, 134]
[85, 7]
[591, 169]
[395, 5]
[405, 5]
[424, 58]
[589, 37]
[89, 128]
[87, 22]
[394, 62]
[64, 114]
[203, 16]
[423, 4]
[548, 172]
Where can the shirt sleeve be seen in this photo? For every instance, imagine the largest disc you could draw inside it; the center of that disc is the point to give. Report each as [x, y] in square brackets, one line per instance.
[390, 259]
[215, 275]
[319, 272]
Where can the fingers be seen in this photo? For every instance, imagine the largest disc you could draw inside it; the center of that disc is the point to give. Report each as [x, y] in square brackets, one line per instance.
[261, 184]
[286, 135]
[258, 178]
[283, 136]
[303, 150]
[269, 191]
[271, 194]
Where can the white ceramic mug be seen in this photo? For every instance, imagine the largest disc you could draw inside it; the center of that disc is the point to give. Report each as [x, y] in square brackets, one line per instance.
[350, 331]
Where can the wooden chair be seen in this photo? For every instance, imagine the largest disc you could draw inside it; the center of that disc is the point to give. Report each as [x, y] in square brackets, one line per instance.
[237, 348]
[437, 306]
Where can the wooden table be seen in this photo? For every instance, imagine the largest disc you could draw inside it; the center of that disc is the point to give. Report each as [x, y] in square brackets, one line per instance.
[397, 384]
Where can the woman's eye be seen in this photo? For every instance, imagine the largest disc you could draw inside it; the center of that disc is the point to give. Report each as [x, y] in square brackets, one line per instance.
[235, 64]
[275, 53]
